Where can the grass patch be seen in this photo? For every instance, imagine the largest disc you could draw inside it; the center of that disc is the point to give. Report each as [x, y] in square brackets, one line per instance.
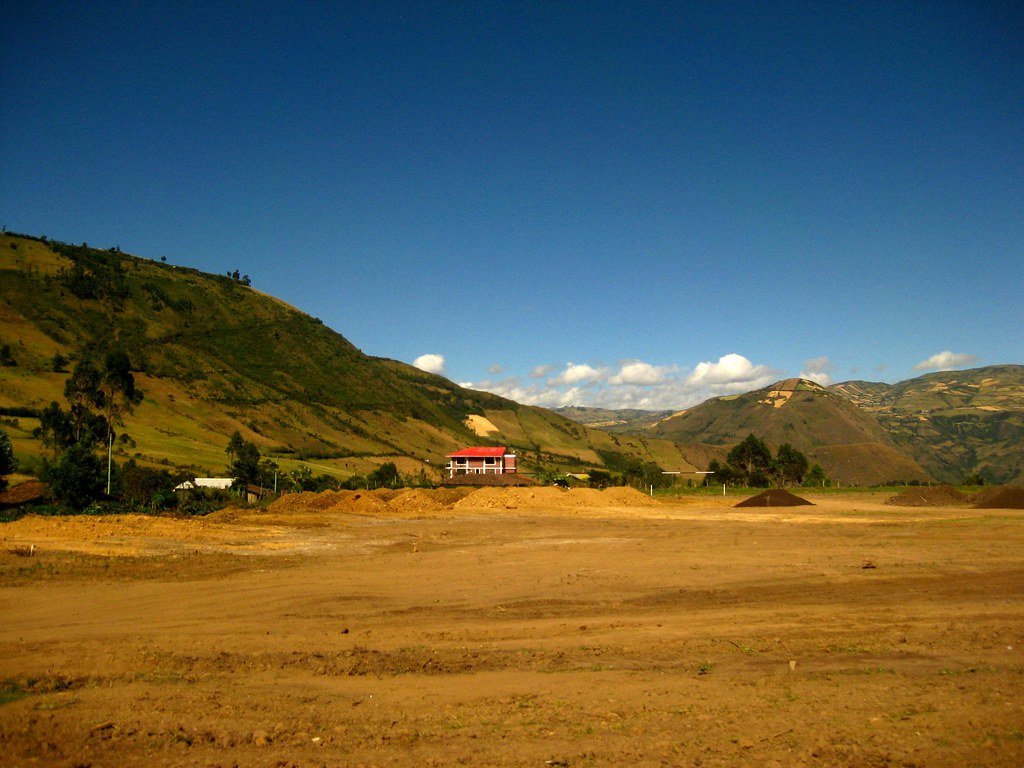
[10, 692]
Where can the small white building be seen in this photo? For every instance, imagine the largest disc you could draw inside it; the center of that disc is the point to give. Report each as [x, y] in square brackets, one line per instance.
[216, 483]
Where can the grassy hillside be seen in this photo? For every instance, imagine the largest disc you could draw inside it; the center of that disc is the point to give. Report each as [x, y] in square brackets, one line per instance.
[946, 426]
[213, 355]
[848, 442]
[954, 423]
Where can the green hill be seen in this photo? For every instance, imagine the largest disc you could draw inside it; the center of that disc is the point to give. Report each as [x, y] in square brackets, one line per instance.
[954, 423]
[213, 355]
[943, 426]
[847, 441]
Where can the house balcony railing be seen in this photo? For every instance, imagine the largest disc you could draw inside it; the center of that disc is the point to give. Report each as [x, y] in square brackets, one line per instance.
[462, 469]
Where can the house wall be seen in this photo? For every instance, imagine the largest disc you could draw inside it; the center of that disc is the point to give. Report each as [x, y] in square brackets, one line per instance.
[482, 465]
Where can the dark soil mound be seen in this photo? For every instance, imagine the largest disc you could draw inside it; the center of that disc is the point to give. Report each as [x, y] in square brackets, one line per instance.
[939, 496]
[1010, 497]
[775, 497]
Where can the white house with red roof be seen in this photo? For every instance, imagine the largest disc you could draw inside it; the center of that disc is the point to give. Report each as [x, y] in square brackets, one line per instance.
[482, 460]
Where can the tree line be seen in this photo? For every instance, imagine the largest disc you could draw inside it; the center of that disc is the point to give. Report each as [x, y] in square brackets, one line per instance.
[751, 464]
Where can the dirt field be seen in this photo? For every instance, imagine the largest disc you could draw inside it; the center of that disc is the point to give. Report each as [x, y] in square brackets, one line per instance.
[516, 630]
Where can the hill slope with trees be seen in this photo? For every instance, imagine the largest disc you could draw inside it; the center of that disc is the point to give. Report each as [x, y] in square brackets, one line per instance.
[213, 356]
[954, 423]
[852, 446]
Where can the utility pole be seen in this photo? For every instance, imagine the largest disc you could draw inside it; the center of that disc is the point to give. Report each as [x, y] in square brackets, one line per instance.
[110, 446]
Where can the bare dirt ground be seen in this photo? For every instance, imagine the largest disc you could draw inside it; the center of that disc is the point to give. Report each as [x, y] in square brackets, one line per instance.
[516, 630]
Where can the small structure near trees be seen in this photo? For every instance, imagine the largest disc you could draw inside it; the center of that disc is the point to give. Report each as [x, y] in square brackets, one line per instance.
[211, 483]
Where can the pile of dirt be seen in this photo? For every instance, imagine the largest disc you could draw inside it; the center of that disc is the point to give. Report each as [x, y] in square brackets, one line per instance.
[450, 496]
[580, 497]
[938, 496]
[1010, 497]
[428, 502]
[415, 502]
[514, 498]
[363, 502]
[309, 501]
[541, 497]
[628, 497]
[774, 497]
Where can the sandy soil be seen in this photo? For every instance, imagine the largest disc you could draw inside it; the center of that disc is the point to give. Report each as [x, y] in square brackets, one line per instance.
[590, 633]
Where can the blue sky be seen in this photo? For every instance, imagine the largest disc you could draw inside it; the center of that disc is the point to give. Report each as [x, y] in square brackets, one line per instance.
[635, 204]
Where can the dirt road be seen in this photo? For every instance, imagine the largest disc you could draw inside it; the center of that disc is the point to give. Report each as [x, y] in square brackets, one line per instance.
[848, 633]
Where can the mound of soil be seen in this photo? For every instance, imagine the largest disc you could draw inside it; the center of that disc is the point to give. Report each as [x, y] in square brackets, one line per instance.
[629, 497]
[450, 496]
[939, 496]
[514, 498]
[1010, 497]
[418, 501]
[774, 497]
[309, 501]
[415, 502]
[363, 502]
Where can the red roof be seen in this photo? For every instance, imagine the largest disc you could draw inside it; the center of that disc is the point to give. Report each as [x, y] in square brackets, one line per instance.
[477, 452]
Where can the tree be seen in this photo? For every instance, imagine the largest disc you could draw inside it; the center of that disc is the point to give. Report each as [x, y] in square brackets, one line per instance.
[145, 487]
[83, 393]
[816, 476]
[246, 466]
[118, 387]
[301, 479]
[789, 465]
[384, 476]
[76, 479]
[111, 391]
[8, 463]
[751, 458]
[266, 474]
[59, 431]
[633, 473]
[234, 446]
[720, 473]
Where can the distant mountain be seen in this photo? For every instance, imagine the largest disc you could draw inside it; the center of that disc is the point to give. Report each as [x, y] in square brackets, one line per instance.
[954, 423]
[850, 443]
[214, 355]
[622, 421]
[944, 426]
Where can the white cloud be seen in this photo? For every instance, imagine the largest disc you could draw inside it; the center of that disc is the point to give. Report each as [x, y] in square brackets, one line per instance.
[639, 372]
[636, 384]
[496, 369]
[430, 363]
[540, 371]
[818, 369]
[732, 373]
[577, 374]
[945, 361]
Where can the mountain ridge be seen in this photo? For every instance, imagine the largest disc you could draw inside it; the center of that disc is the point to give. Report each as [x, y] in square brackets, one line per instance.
[950, 424]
